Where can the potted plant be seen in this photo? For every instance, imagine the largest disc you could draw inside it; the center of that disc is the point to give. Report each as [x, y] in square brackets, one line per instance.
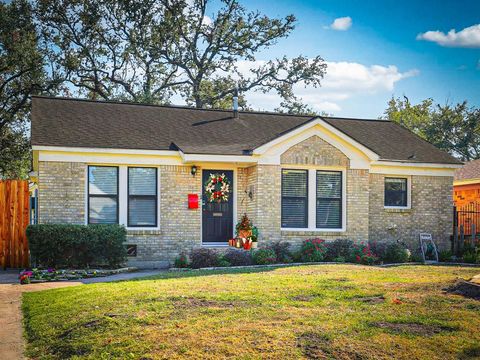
[244, 227]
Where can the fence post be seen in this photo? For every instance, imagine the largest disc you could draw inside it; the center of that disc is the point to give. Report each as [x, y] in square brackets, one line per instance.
[462, 240]
[473, 231]
[455, 231]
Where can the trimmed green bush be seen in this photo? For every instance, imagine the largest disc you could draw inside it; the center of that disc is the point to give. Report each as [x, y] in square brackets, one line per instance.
[204, 257]
[313, 250]
[75, 246]
[264, 257]
[390, 252]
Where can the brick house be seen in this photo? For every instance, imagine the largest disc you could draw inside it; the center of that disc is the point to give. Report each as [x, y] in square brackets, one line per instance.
[296, 177]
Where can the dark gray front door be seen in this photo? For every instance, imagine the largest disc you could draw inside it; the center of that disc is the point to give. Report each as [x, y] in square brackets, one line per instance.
[217, 217]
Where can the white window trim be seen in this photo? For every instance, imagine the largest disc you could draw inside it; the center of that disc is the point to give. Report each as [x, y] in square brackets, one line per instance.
[409, 192]
[123, 197]
[312, 200]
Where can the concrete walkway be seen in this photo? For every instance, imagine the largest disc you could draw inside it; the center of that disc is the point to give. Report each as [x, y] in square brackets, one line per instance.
[11, 338]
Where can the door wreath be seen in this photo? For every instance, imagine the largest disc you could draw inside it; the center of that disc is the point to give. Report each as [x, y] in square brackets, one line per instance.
[217, 188]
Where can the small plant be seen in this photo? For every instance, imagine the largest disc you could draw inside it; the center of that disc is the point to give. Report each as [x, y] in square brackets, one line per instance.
[390, 252]
[340, 259]
[282, 251]
[445, 255]
[222, 261]
[339, 248]
[181, 261]
[203, 257]
[244, 227]
[362, 254]
[264, 256]
[313, 250]
[238, 257]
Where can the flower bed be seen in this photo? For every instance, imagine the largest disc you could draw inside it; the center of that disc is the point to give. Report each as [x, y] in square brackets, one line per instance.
[46, 275]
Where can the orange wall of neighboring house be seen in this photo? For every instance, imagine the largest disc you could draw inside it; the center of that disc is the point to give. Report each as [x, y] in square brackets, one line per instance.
[466, 194]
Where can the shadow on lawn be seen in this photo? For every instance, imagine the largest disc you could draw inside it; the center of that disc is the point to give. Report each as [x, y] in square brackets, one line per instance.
[197, 273]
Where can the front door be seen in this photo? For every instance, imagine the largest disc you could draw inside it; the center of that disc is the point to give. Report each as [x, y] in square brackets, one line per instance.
[217, 215]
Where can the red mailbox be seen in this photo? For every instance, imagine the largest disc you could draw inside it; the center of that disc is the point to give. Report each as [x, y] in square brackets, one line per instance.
[192, 201]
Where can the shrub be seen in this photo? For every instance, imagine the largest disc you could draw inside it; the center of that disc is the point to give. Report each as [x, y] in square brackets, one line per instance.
[390, 252]
[63, 245]
[203, 257]
[445, 255]
[181, 261]
[313, 250]
[264, 256]
[282, 251]
[222, 261]
[238, 257]
[339, 248]
[362, 254]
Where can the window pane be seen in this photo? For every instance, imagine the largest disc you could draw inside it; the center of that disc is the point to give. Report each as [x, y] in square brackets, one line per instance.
[102, 180]
[294, 183]
[142, 181]
[329, 184]
[141, 211]
[294, 212]
[395, 192]
[329, 214]
[294, 198]
[329, 200]
[103, 210]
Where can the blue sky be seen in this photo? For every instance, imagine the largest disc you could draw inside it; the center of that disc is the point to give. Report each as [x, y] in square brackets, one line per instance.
[379, 55]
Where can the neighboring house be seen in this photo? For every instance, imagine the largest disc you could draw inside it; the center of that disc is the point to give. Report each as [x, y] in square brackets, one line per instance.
[297, 177]
[466, 196]
[466, 184]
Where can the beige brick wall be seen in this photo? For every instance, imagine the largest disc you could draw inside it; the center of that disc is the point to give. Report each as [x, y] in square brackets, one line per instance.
[180, 227]
[314, 151]
[431, 211]
[61, 192]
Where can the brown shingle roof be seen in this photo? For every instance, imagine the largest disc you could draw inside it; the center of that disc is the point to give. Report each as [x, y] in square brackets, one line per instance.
[471, 170]
[84, 123]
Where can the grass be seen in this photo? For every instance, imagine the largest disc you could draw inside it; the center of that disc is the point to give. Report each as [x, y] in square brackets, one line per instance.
[325, 311]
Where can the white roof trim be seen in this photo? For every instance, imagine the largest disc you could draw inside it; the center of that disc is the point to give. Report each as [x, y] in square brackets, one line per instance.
[416, 164]
[106, 150]
[318, 121]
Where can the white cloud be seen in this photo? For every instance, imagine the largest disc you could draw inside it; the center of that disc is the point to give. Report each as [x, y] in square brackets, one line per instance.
[343, 81]
[207, 20]
[467, 38]
[342, 24]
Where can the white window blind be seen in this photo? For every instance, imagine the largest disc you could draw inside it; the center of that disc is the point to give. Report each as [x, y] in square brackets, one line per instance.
[102, 195]
[142, 196]
[294, 198]
[329, 200]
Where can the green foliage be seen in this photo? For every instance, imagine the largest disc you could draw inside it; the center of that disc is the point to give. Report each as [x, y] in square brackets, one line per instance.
[222, 261]
[313, 250]
[148, 51]
[238, 257]
[181, 261]
[390, 252]
[339, 248]
[264, 256]
[204, 257]
[362, 254]
[282, 251]
[445, 255]
[22, 74]
[59, 245]
[453, 128]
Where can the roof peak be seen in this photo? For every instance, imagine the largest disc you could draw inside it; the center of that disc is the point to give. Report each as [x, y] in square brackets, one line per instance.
[184, 107]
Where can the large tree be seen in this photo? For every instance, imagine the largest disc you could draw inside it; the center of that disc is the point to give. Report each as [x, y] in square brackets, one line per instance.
[453, 128]
[22, 73]
[149, 50]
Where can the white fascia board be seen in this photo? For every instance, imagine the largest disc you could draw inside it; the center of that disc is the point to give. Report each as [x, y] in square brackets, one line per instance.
[416, 164]
[318, 121]
[245, 159]
[106, 150]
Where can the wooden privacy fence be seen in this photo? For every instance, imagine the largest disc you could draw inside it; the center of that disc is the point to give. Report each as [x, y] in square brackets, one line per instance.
[14, 219]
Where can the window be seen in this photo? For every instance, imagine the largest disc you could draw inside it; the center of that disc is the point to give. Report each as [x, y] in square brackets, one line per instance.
[396, 192]
[329, 200]
[102, 195]
[294, 198]
[142, 197]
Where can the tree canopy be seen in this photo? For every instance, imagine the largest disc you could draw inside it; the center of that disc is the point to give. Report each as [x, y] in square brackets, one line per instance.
[453, 128]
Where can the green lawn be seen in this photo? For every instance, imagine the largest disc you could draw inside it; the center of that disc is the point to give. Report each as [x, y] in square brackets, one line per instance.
[326, 311]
